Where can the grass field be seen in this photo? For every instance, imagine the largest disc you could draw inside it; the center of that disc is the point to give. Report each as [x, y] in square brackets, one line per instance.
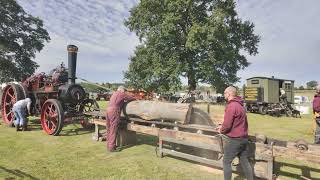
[73, 155]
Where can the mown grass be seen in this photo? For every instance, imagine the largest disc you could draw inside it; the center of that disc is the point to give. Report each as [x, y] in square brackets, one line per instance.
[73, 155]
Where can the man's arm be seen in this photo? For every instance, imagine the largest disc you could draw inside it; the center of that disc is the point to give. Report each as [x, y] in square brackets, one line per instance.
[316, 105]
[228, 120]
[129, 98]
[29, 108]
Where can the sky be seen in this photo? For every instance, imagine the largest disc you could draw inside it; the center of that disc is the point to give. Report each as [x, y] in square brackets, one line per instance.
[289, 31]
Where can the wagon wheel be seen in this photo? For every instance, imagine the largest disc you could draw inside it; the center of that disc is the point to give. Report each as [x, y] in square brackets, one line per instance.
[52, 117]
[263, 110]
[89, 105]
[11, 94]
[288, 112]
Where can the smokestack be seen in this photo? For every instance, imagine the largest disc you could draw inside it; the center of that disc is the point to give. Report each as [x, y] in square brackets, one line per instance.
[72, 63]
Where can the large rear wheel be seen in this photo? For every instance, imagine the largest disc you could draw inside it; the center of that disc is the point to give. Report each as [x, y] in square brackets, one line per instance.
[52, 117]
[11, 94]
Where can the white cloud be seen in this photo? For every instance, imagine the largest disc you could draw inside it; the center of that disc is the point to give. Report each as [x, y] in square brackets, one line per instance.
[289, 32]
[289, 38]
[96, 27]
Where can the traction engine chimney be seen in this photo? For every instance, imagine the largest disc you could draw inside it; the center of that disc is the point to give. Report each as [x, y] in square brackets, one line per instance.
[72, 63]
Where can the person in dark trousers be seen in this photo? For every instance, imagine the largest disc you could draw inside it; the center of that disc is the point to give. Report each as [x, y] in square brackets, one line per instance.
[283, 97]
[316, 111]
[20, 109]
[235, 129]
[115, 106]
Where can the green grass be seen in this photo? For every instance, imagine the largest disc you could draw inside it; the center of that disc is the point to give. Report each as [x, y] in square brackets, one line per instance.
[73, 155]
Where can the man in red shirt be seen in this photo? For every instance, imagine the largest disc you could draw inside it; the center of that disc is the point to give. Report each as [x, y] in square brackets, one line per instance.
[316, 111]
[235, 128]
[115, 106]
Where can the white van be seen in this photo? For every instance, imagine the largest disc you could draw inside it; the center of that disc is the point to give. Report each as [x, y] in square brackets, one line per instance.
[300, 99]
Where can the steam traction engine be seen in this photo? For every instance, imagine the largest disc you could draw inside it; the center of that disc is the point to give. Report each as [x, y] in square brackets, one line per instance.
[55, 97]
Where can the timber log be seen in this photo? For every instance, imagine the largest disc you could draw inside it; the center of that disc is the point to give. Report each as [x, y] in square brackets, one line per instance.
[173, 112]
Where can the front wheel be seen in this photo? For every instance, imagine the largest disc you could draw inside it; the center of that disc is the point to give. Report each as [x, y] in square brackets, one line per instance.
[52, 117]
[288, 112]
[263, 110]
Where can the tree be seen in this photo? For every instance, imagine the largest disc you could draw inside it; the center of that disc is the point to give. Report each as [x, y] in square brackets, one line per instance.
[301, 88]
[312, 84]
[200, 40]
[21, 36]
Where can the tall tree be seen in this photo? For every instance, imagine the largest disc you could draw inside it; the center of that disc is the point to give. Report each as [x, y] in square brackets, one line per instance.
[312, 84]
[21, 36]
[201, 40]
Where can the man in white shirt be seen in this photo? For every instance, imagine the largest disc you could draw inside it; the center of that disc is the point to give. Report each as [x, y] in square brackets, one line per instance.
[19, 110]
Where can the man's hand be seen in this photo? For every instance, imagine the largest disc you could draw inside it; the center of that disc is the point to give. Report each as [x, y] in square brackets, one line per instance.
[218, 128]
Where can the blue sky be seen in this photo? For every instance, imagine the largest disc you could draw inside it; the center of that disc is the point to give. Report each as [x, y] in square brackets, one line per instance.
[289, 30]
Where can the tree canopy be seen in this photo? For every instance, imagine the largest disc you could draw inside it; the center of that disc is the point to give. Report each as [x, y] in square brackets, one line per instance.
[312, 84]
[199, 40]
[21, 36]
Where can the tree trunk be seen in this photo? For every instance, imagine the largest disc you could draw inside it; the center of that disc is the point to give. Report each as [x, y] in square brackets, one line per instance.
[174, 112]
[155, 110]
[192, 83]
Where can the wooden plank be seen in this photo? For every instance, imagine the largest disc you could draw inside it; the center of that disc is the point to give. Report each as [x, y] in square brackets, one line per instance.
[213, 147]
[259, 168]
[96, 113]
[314, 148]
[154, 131]
[270, 170]
[291, 153]
[96, 133]
[261, 151]
[192, 139]
[99, 122]
[193, 158]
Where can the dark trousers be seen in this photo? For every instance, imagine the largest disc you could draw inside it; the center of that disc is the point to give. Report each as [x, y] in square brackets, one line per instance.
[113, 120]
[317, 132]
[236, 147]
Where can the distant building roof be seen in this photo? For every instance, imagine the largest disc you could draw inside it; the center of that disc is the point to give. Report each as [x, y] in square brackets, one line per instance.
[271, 78]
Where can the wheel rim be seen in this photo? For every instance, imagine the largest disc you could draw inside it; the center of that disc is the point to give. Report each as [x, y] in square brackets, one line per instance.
[49, 118]
[89, 106]
[9, 99]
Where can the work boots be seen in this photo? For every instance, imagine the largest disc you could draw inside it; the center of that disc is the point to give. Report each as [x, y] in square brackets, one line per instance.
[24, 127]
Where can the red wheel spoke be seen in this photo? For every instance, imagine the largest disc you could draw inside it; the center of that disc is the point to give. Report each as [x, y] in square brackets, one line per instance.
[48, 124]
[50, 109]
[46, 115]
[54, 115]
[11, 95]
[8, 114]
[53, 125]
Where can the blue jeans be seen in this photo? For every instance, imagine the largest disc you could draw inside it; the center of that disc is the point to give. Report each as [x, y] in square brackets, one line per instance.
[317, 132]
[20, 114]
[236, 147]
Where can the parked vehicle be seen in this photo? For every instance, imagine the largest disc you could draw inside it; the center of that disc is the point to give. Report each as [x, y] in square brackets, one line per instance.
[300, 99]
[55, 97]
[269, 95]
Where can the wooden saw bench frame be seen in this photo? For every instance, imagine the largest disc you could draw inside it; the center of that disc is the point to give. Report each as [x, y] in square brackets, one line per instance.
[261, 154]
